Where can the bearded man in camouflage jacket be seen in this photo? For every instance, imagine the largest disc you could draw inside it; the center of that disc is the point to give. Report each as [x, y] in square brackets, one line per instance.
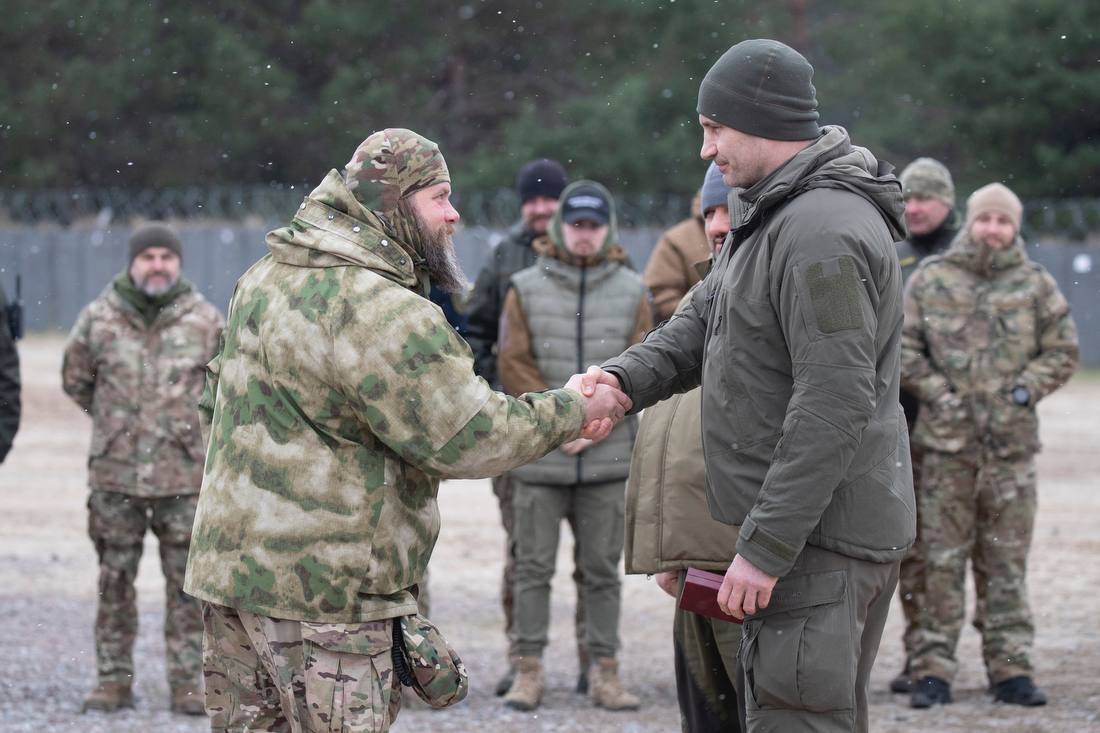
[987, 335]
[339, 400]
[135, 362]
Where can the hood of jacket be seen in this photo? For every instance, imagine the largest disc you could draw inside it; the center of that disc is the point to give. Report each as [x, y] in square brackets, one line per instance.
[333, 229]
[970, 254]
[556, 224]
[831, 162]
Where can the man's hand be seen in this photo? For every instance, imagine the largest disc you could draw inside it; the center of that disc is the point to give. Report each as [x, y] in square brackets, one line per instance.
[668, 581]
[604, 405]
[594, 376]
[745, 589]
[574, 447]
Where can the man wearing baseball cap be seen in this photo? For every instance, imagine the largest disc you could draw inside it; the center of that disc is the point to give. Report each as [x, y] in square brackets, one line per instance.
[134, 363]
[539, 184]
[987, 335]
[794, 338]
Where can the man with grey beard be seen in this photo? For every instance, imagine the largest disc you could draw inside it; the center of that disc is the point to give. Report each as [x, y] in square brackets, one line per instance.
[135, 362]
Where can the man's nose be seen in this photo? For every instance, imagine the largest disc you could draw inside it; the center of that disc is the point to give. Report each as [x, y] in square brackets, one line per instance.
[452, 214]
[708, 151]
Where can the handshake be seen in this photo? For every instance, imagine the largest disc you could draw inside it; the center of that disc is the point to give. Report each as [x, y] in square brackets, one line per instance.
[605, 404]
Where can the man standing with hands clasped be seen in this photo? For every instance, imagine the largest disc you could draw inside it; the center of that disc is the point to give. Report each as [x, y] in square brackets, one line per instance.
[794, 337]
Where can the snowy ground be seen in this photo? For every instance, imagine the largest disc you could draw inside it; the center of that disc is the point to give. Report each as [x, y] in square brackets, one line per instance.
[47, 599]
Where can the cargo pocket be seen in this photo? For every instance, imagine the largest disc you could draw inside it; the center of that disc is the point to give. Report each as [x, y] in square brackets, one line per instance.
[797, 653]
[349, 680]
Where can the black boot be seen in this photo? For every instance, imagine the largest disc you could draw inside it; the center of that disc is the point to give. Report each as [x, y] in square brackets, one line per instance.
[903, 683]
[929, 691]
[1019, 691]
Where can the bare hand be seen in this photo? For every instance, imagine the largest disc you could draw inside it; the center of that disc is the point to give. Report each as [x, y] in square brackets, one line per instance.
[669, 582]
[745, 589]
[595, 375]
[574, 447]
[605, 406]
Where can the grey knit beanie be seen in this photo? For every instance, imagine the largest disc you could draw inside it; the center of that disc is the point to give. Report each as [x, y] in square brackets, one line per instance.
[763, 88]
[154, 234]
[928, 177]
[715, 192]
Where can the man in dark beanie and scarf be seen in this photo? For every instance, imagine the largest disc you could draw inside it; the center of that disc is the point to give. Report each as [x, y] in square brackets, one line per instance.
[340, 399]
[794, 337]
[134, 362]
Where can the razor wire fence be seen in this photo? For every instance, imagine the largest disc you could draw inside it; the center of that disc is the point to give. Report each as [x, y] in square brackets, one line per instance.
[1068, 219]
[273, 203]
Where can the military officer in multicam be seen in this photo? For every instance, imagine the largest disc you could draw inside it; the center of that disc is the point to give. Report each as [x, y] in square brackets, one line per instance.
[987, 335]
[135, 363]
[339, 400]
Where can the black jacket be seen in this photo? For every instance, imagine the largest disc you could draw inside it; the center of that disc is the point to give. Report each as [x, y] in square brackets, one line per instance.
[513, 254]
[9, 382]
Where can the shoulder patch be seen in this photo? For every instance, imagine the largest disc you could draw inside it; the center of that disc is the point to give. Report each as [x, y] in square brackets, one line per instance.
[835, 293]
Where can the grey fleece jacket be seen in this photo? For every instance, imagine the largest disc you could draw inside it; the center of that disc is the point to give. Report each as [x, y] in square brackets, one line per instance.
[794, 337]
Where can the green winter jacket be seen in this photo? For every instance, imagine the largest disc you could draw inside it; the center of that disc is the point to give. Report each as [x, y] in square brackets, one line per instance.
[339, 400]
[794, 337]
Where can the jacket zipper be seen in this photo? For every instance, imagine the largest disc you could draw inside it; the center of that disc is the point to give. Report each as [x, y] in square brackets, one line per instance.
[580, 348]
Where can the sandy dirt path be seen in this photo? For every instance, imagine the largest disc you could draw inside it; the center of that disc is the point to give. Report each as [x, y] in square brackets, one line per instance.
[48, 594]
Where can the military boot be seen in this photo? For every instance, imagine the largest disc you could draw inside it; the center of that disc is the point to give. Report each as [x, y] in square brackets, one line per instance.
[505, 682]
[1019, 691]
[187, 699]
[605, 688]
[108, 697]
[929, 691]
[584, 662]
[526, 691]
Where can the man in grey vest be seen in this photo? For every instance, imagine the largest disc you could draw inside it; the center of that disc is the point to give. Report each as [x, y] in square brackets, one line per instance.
[795, 338]
[578, 304]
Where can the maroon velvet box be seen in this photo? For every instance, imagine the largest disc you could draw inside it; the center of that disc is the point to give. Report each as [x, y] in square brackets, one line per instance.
[700, 594]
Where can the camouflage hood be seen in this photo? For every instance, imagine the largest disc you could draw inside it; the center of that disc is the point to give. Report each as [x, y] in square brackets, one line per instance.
[832, 162]
[972, 255]
[554, 232]
[333, 229]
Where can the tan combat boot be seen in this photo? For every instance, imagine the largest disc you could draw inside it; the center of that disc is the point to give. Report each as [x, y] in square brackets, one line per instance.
[187, 699]
[526, 691]
[605, 688]
[108, 697]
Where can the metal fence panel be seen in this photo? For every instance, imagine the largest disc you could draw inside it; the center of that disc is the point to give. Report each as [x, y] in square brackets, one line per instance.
[63, 268]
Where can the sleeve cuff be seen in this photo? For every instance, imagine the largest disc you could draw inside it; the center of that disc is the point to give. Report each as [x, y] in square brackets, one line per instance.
[765, 551]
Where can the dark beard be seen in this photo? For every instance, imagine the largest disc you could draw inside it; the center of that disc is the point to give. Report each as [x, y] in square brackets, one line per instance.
[438, 250]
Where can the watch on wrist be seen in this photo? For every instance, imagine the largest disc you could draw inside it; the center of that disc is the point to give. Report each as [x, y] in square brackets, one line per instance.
[1021, 395]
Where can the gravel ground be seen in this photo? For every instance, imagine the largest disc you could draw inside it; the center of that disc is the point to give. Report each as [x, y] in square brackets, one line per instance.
[47, 599]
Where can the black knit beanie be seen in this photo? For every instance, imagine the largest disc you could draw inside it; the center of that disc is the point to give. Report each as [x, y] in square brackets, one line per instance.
[763, 88]
[542, 177]
[154, 234]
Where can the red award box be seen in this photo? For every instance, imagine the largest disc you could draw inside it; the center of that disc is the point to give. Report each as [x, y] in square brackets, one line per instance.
[700, 595]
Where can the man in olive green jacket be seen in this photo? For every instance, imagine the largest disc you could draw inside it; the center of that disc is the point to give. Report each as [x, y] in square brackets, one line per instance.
[794, 337]
[340, 399]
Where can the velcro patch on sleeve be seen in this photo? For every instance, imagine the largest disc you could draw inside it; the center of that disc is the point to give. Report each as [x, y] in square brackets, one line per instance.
[836, 294]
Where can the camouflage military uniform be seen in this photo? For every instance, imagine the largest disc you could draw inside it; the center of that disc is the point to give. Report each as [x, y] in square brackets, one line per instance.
[140, 382]
[340, 398]
[979, 322]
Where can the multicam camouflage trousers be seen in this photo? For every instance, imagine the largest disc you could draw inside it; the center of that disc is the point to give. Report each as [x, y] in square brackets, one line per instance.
[275, 675]
[117, 524]
[972, 507]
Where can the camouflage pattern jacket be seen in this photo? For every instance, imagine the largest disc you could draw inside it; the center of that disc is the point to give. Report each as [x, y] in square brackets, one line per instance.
[340, 399]
[141, 385]
[980, 322]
